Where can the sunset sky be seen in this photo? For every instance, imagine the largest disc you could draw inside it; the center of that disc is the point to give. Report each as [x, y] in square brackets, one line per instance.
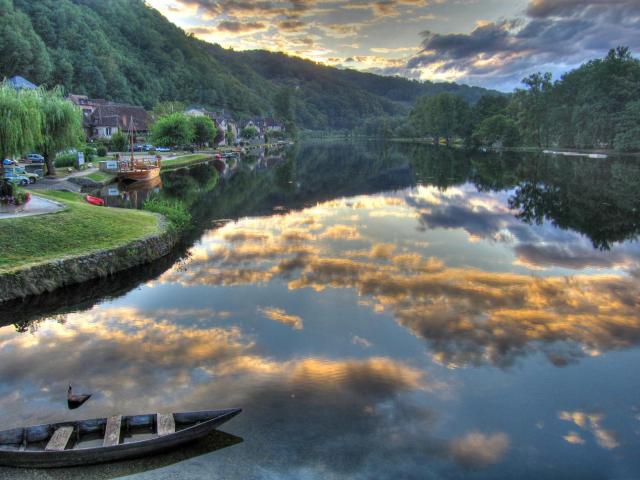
[491, 43]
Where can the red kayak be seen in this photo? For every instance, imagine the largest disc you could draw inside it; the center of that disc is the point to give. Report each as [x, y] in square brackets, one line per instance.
[94, 200]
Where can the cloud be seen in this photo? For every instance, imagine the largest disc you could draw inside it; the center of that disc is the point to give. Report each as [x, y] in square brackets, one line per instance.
[553, 8]
[590, 422]
[478, 450]
[240, 27]
[465, 315]
[292, 25]
[137, 361]
[574, 438]
[553, 36]
[363, 342]
[281, 316]
[341, 232]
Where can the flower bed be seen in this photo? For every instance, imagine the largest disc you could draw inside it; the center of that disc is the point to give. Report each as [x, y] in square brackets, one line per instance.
[10, 196]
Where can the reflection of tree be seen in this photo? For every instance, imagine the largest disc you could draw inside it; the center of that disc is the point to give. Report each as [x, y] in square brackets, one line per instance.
[598, 199]
[594, 197]
[440, 167]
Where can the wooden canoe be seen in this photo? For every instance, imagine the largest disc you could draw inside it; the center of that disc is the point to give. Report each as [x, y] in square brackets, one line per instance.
[103, 440]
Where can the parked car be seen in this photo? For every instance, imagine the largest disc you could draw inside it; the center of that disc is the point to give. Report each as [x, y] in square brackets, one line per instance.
[35, 158]
[147, 147]
[138, 148]
[163, 149]
[33, 177]
[13, 177]
[7, 163]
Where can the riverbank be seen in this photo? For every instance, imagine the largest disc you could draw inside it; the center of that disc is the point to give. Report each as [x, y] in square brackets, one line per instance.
[80, 243]
[184, 160]
[547, 150]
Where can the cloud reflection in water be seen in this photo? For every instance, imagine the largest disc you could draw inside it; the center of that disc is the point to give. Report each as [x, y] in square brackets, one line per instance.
[468, 315]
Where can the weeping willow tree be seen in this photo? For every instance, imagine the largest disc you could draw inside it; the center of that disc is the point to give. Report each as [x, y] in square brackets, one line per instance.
[61, 125]
[20, 122]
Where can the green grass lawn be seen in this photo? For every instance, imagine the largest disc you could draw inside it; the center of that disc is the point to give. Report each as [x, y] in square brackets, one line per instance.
[81, 228]
[101, 176]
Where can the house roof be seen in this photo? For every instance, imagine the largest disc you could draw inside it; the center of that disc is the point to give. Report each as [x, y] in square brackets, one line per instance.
[122, 116]
[20, 83]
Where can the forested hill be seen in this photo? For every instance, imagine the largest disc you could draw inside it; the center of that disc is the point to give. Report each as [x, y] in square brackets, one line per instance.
[126, 51]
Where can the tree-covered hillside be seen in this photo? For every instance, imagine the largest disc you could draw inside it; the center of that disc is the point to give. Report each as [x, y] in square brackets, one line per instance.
[594, 106]
[126, 51]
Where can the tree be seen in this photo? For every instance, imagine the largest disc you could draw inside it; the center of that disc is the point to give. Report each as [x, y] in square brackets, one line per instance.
[498, 130]
[249, 132]
[119, 142]
[534, 118]
[22, 52]
[204, 130]
[283, 108]
[172, 130]
[163, 109]
[488, 106]
[229, 136]
[628, 128]
[443, 116]
[20, 121]
[61, 125]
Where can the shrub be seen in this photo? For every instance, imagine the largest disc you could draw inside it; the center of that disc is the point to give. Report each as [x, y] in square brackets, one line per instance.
[10, 195]
[119, 142]
[101, 151]
[6, 189]
[65, 160]
[89, 153]
[175, 211]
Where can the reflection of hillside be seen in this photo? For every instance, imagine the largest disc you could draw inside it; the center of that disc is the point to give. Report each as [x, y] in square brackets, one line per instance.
[314, 173]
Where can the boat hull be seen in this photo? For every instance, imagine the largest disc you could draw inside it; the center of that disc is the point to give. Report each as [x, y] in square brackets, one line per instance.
[123, 451]
[140, 175]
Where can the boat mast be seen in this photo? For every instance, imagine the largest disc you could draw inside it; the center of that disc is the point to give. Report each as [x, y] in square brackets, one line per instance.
[131, 137]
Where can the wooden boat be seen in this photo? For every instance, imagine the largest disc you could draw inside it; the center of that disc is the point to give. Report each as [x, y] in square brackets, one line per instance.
[137, 169]
[94, 200]
[103, 440]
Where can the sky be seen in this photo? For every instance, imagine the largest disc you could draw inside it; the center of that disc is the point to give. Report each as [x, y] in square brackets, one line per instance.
[490, 43]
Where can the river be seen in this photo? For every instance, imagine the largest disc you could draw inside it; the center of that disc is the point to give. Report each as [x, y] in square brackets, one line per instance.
[378, 311]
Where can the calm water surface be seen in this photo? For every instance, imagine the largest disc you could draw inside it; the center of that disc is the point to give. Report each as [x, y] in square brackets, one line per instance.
[378, 312]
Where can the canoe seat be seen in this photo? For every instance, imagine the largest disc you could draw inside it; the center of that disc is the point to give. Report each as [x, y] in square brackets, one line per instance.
[112, 431]
[59, 439]
[166, 424]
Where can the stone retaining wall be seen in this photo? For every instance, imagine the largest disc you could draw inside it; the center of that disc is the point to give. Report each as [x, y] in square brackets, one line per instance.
[51, 275]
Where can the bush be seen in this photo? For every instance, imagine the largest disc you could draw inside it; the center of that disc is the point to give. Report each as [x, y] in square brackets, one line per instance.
[10, 195]
[119, 142]
[89, 153]
[6, 188]
[65, 160]
[101, 151]
[175, 211]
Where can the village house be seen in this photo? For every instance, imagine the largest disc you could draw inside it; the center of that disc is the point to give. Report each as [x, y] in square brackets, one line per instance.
[86, 104]
[102, 118]
[222, 120]
[108, 119]
[264, 125]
